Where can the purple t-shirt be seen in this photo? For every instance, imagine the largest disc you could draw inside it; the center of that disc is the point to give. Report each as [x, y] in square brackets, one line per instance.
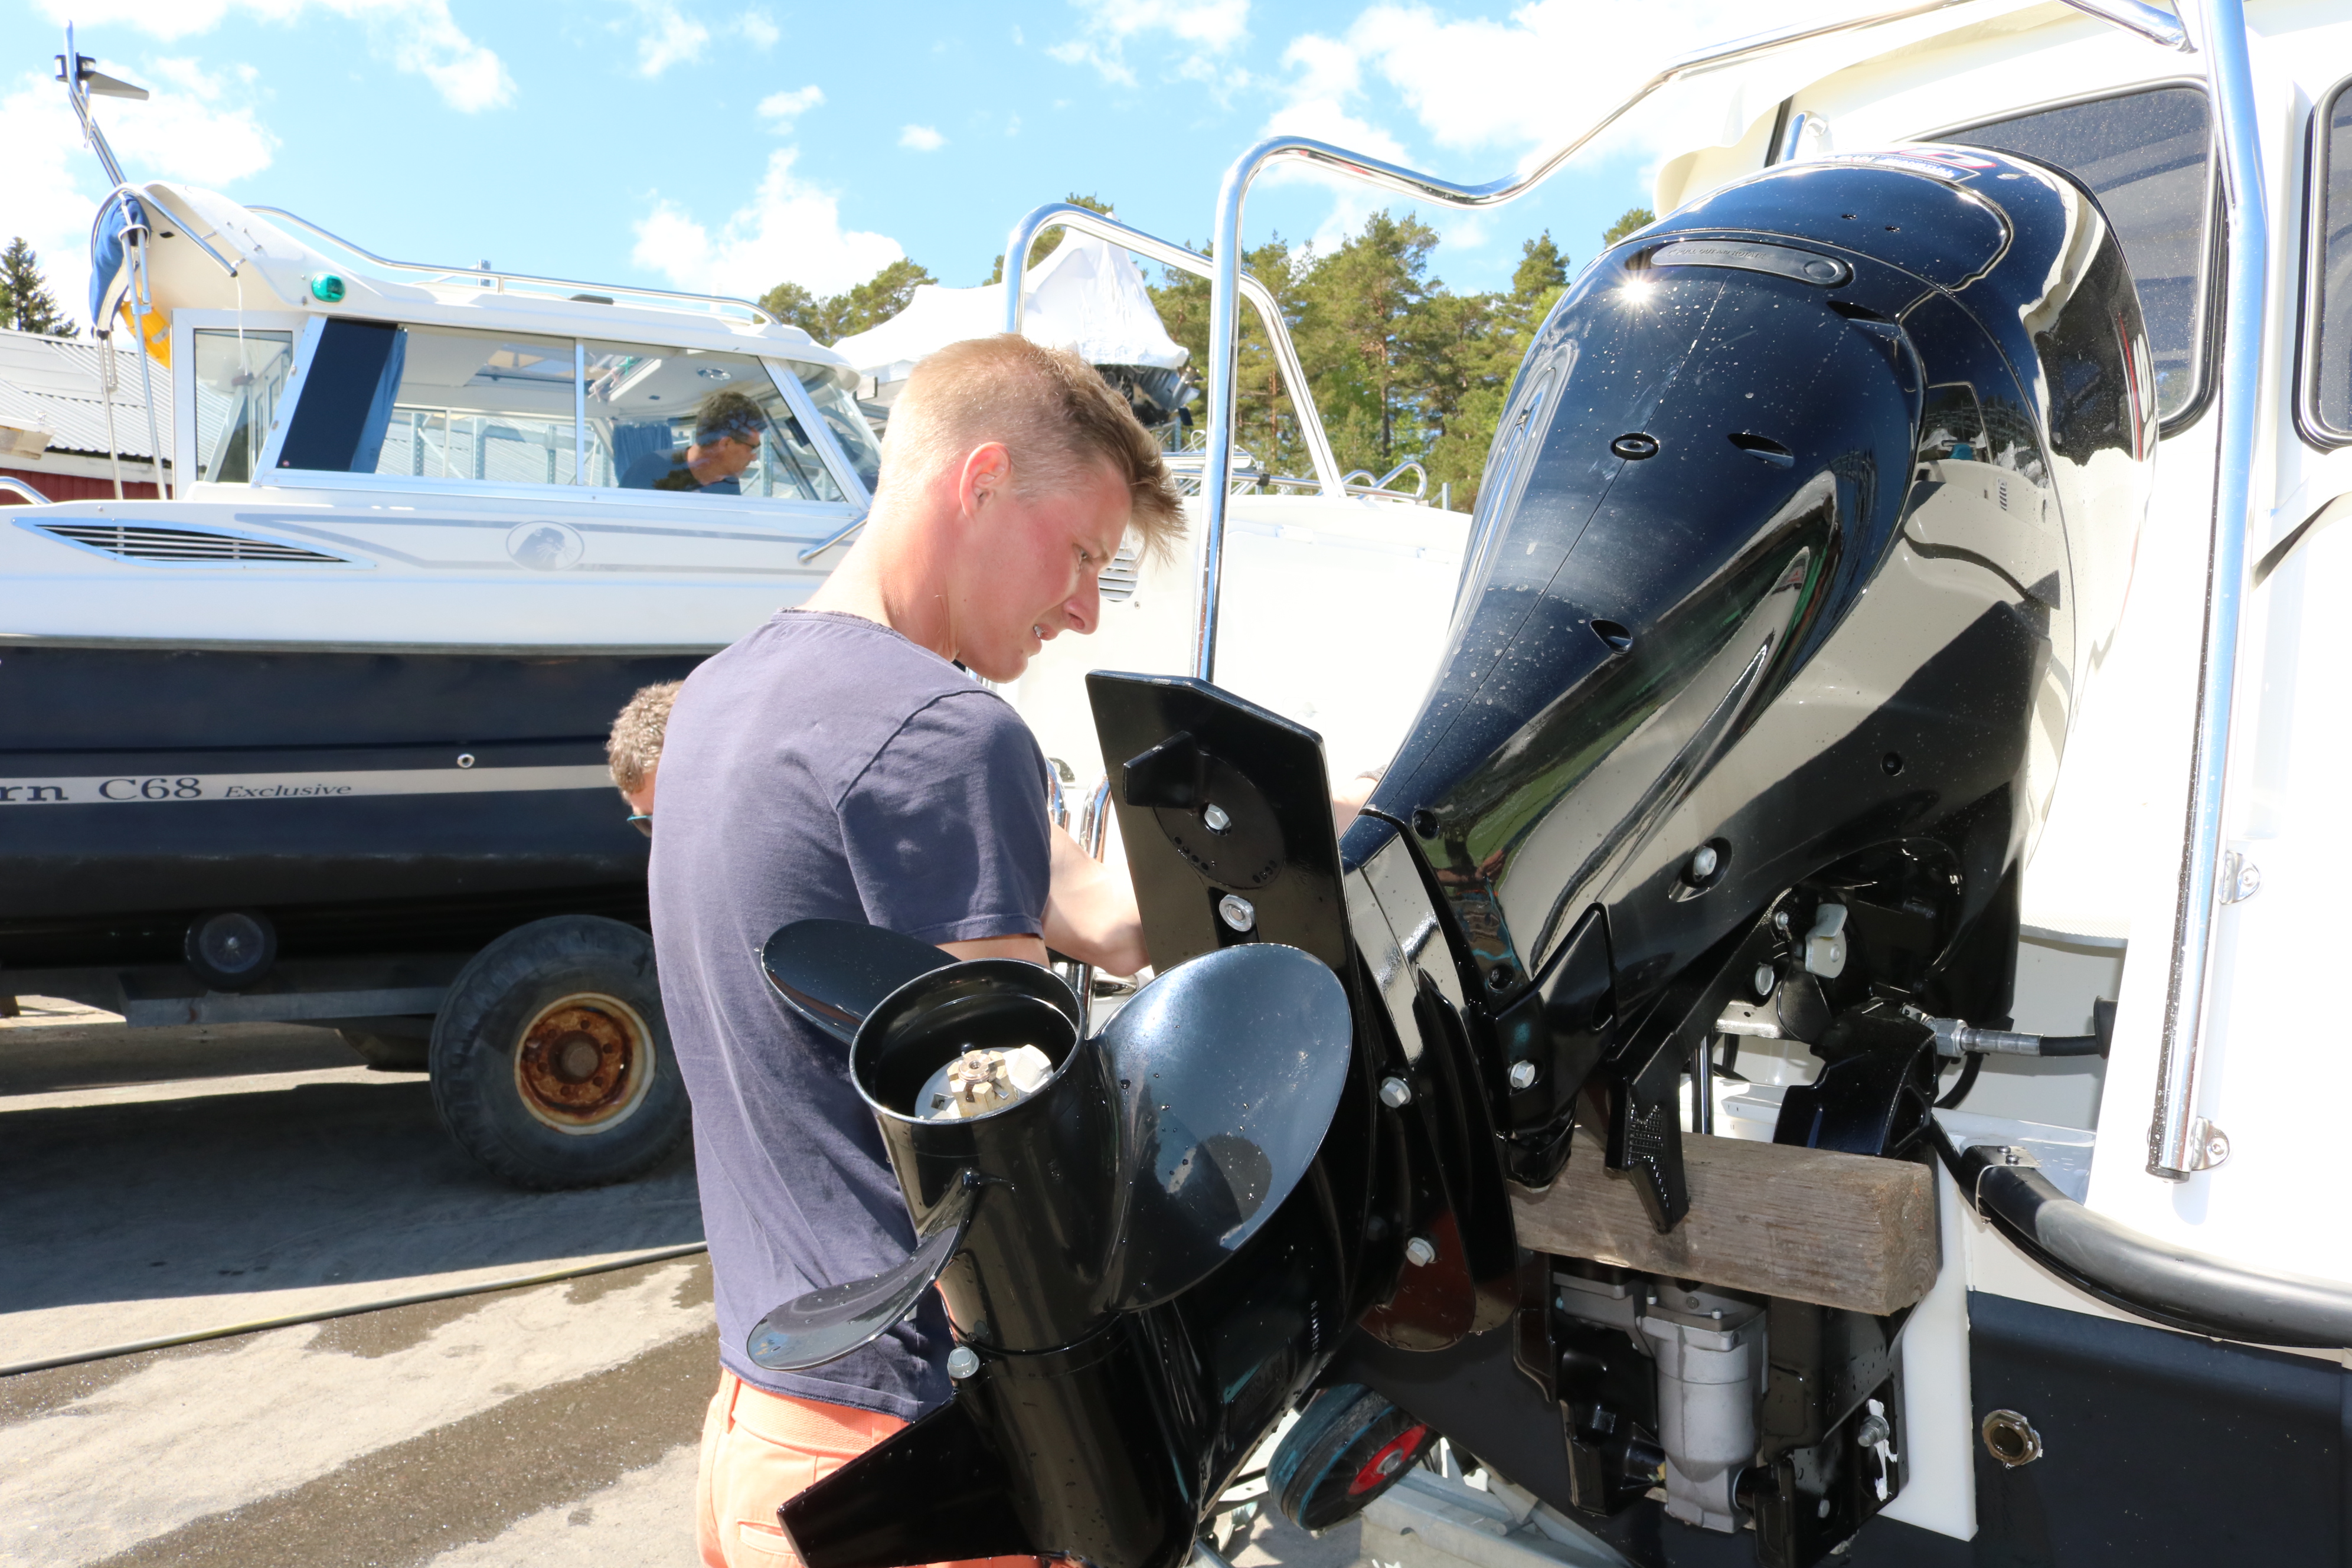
[824, 767]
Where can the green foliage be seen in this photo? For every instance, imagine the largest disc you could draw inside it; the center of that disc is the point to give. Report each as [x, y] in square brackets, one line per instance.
[1632, 219]
[1045, 244]
[26, 302]
[1401, 367]
[836, 316]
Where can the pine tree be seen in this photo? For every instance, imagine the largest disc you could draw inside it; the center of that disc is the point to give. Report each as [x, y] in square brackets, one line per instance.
[1265, 425]
[836, 316]
[26, 302]
[1629, 220]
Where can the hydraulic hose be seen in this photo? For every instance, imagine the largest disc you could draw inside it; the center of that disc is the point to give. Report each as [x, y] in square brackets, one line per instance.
[2138, 1273]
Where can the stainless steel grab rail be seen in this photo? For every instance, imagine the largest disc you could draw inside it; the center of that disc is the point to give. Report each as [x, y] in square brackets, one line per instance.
[717, 304]
[1085, 220]
[2180, 1142]
[27, 491]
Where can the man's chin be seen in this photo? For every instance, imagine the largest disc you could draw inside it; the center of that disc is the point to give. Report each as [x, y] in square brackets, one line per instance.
[1002, 669]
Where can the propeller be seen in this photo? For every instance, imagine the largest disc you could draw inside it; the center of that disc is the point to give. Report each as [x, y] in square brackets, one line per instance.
[834, 973]
[1227, 1072]
[828, 1323]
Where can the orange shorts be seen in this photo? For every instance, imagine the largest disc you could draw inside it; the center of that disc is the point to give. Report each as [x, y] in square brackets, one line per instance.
[759, 1449]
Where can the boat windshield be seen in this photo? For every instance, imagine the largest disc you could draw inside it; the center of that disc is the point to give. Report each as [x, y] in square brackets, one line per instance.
[437, 402]
[842, 417]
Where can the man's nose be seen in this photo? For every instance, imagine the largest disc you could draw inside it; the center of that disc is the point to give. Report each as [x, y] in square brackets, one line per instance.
[1084, 607]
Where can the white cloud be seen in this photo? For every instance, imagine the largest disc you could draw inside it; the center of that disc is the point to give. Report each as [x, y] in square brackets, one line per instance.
[670, 38]
[780, 108]
[1476, 82]
[789, 231]
[418, 36]
[758, 29]
[183, 132]
[921, 138]
[1197, 31]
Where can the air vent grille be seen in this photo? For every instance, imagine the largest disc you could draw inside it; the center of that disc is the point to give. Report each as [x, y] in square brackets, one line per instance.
[135, 542]
[1118, 578]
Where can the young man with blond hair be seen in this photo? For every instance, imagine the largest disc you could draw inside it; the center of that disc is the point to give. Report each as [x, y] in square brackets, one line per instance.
[840, 762]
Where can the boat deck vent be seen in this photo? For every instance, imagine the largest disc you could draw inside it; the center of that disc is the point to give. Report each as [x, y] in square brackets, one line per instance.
[146, 542]
[1118, 578]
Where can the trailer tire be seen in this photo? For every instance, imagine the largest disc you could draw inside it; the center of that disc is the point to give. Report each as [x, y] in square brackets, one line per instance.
[551, 1059]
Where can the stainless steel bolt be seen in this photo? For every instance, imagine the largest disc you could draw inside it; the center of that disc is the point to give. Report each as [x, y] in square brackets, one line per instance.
[1764, 979]
[1420, 1252]
[1703, 862]
[1523, 1075]
[1235, 910]
[962, 1361]
[1872, 1431]
[1216, 818]
[1395, 1093]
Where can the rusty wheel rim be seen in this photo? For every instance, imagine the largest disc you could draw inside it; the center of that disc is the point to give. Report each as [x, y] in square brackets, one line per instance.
[584, 1063]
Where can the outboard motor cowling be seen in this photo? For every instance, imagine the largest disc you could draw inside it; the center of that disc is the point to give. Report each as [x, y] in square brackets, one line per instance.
[1807, 503]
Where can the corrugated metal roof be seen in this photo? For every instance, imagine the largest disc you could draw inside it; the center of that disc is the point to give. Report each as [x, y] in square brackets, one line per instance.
[54, 381]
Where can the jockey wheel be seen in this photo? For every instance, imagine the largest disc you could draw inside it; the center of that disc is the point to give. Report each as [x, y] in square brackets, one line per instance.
[1348, 1446]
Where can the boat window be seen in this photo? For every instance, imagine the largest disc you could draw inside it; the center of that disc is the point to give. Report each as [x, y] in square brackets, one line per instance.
[481, 405]
[842, 416]
[238, 378]
[2147, 156]
[2331, 348]
[693, 420]
[435, 404]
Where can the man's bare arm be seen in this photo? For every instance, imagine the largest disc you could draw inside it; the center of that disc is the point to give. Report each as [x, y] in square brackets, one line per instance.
[1090, 915]
[1032, 948]
[1090, 912]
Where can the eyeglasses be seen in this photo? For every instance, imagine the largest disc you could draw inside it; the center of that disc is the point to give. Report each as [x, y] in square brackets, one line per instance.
[642, 822]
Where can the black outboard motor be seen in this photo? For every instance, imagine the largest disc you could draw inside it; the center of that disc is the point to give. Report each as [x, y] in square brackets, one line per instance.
[1810, 507]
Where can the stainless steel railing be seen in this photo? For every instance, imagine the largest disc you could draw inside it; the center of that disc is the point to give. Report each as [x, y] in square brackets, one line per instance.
[500, 282]
[1085, 220]
[2180, 1142]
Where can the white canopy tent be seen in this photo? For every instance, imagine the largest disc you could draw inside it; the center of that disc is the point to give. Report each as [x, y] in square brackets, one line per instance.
[1087, 297]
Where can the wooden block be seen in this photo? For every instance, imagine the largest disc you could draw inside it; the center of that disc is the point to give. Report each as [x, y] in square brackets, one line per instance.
[1843, 1230]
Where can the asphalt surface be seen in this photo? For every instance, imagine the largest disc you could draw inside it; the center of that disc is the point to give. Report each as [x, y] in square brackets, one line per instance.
[160, 1182]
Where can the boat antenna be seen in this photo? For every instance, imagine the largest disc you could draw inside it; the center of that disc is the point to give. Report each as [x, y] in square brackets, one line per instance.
[82, 78]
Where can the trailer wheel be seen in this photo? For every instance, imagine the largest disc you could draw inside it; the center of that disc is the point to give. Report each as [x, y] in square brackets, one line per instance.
[1348, 1446]
[551, 1060]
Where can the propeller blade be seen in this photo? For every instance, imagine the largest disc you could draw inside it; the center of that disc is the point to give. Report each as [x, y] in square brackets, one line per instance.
[823, 1325]
[834, 973]
[936, 1493]
[1227, 1071]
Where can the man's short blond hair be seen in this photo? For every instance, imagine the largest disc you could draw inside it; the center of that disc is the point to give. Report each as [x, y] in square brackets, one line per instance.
[634, 748]
[1053, 411]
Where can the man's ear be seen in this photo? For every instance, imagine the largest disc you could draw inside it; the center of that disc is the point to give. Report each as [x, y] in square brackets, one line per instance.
[987, 471]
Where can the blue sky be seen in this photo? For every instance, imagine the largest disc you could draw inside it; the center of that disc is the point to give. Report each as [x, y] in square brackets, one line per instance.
[728, 146]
